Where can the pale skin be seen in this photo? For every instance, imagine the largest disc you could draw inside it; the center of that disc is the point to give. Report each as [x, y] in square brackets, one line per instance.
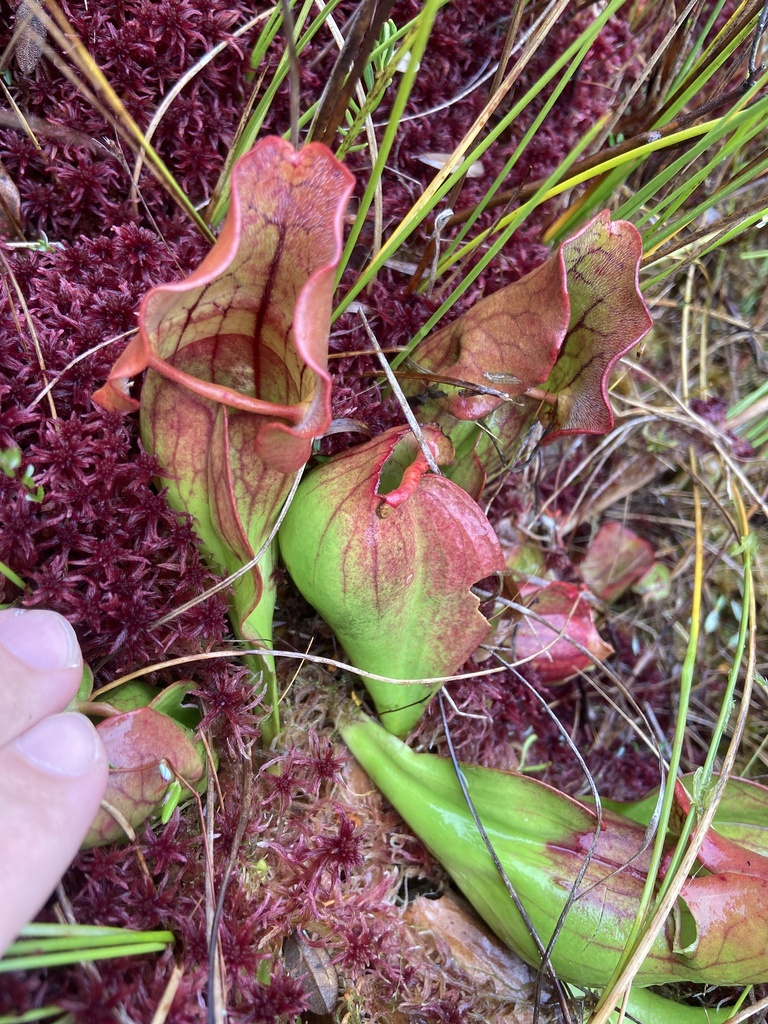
[53, 767]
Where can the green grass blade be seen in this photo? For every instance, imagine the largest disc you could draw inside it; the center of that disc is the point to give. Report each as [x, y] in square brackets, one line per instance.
[43, 1013]
[11, 575]
[509, 224]
[256, 120]
[421, 33]
[588, 39]
[461, 161]
[75, 956]
[50, 945]
[709, 64]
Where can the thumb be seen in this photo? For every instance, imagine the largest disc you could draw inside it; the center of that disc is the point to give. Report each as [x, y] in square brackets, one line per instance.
[52, 779]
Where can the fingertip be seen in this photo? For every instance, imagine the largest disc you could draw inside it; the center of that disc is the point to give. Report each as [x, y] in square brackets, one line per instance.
[52, 780]
[41, 639]
[41, 668]
[65, 745]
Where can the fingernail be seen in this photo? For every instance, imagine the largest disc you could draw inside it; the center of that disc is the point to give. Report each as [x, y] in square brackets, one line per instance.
[64, 745]
[41, 639]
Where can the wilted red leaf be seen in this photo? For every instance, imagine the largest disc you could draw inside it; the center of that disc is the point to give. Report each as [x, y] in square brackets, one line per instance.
[615, 559]
[546, 642]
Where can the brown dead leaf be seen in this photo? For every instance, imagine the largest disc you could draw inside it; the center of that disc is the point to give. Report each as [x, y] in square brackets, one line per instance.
[474, 947]
[312, 966]
[32, 35]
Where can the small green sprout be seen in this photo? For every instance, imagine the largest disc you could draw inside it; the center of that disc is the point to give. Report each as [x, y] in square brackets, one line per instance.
[171, 801]
[10, 462]
[42, 244]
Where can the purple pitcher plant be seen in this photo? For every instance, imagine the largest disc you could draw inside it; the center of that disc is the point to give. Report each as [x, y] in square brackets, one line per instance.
[237, 385]
[235, 393]
[237, 388]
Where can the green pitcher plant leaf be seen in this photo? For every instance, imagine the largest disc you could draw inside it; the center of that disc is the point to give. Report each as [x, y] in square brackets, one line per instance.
[237, 385]
[540, 352]
[388, 552]
[718, 933]
[719, 920]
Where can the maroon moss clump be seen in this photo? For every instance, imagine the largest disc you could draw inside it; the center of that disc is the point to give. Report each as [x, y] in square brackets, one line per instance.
[77, 183]
[102, 547]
